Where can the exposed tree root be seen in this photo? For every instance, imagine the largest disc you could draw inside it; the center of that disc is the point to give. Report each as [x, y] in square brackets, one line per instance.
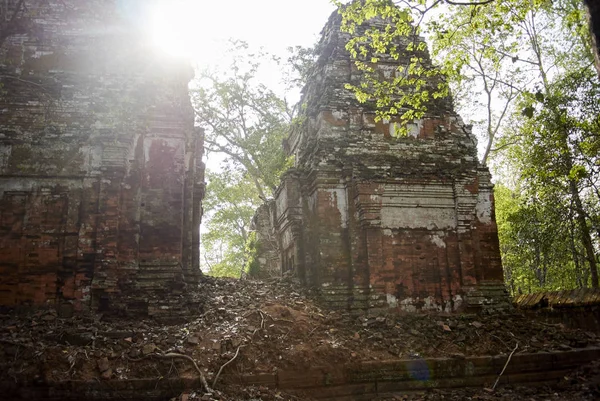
[225, 364]
[505, 365]
[173, 355]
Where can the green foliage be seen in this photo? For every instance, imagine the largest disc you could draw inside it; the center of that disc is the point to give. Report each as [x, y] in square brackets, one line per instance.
[230, 202]
[251, 252]
[490, 48]
[245, 122]
[537, 242]
[410, 90]
[477, 48]
[561, 136]
[547, 235]
[243, 119]
[300, 65]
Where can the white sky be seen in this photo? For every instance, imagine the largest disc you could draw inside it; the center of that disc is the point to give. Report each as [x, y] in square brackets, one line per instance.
[198, 28]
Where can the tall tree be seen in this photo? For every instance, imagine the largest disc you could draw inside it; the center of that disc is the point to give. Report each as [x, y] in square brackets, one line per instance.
[538, 241]
[593, 11]
[482, 67]
[243, 119]
[556, 150]
[245, 123]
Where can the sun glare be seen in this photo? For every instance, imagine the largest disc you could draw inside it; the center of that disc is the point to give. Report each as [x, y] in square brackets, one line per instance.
[200, 29]
[176, 26]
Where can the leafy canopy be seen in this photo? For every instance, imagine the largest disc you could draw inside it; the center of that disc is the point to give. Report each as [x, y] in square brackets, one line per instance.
[245, 123]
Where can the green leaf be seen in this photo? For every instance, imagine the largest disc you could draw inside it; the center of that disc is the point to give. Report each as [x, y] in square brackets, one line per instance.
[528, 111]
[539, 96]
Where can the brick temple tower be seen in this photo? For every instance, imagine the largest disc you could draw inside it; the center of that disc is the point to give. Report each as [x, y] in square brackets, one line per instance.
[101, 173]
[372, 220]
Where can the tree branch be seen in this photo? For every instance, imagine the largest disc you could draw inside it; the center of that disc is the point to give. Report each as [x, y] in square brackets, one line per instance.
[476, 3]
[249, 167]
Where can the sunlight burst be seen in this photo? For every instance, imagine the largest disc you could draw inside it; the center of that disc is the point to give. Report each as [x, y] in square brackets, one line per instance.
[177, 27]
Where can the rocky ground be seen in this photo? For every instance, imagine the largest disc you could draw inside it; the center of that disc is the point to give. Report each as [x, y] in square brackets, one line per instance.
[256, 326]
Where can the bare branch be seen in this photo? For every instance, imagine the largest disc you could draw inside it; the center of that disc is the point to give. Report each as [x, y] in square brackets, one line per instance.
[505, 145]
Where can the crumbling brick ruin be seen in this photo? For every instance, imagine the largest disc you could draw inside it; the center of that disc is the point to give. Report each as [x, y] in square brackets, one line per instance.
[101, 181]
[101, 178]
[372, 220]
[268, 257]
[101, 187]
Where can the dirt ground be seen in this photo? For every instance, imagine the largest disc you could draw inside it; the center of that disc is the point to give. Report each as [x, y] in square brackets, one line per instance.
[271, 325]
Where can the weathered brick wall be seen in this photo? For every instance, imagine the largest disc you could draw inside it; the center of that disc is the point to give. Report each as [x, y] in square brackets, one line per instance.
[101, 177]
[268, 262]
[386, 221]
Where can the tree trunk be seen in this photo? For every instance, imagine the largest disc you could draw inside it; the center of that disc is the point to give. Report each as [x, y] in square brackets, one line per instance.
[593, 12]
[537, 269]
[585, 232]
[578, 273]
